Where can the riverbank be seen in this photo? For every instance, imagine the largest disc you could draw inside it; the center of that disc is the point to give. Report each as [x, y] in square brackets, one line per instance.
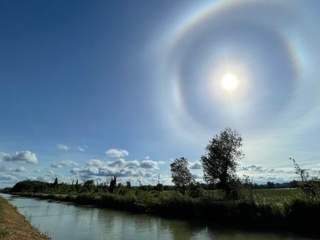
[14, 226]
[264, 215]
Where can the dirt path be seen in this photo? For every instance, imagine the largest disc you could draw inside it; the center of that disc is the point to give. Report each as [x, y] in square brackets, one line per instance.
[14, 226]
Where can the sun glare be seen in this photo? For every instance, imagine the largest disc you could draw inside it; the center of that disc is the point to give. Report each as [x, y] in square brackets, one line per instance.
[229, 82]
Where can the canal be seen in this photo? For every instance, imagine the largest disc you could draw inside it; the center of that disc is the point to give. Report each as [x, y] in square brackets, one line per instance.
[72, 222]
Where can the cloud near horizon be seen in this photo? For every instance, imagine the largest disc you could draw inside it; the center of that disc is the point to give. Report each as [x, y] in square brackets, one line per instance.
[121, 168]
[23, 156]
[8, 178]
[149, 164]
[64, 147]
[66, 163]
[21, 170]
[146, 170]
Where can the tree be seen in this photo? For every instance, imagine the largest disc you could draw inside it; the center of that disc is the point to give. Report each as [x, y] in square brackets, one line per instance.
[270, 184]
[89, 185]
[181, 175]
[220, 160]
[113, 184]
[55, 184]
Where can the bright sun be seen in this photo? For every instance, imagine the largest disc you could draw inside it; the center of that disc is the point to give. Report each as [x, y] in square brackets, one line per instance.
[229, 82]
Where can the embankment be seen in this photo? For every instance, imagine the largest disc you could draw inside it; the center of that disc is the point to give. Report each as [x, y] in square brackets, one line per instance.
[14, 226]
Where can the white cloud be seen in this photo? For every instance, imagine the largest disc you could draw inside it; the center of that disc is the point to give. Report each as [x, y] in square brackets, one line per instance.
[66, 163]
[97, 168]
[95, 162]
[8, 178]
[196, 165]
[91, 172]
[63, 147]
[81, 149]
[132, 164]
[118, 164]
[149, 164]
[5, 169]
[118, 153]
[262, 174]
[21, 170]
[23, 156]
[42, 179]
[148, 175]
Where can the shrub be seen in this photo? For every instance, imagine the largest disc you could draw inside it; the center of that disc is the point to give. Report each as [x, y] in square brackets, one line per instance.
[195, 190]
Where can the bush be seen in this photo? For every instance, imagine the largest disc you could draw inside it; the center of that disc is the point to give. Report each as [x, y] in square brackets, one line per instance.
[195, 190]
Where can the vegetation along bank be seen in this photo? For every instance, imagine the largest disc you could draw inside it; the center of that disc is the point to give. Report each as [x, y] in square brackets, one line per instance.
[224, 198]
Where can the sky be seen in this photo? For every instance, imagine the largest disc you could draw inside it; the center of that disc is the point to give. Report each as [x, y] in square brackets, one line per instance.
[93, 89]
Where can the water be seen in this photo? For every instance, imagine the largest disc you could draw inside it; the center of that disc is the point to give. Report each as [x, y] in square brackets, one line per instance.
[68, 221]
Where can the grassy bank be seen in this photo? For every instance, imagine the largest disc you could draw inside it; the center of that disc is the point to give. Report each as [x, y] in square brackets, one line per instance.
[281, 209]
[14, 226]
[4, 231]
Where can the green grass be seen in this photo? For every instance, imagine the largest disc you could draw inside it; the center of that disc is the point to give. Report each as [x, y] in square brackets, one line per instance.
[278, 192]
[276, 196]
[5, 233]
[2, 201]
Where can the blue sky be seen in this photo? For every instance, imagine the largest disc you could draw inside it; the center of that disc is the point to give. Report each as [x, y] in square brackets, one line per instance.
[90, 89]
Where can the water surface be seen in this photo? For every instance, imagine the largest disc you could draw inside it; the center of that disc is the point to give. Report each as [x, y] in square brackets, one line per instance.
[68, 221]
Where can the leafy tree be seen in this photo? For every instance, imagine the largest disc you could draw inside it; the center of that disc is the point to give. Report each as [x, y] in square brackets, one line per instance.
[270, 184]
[89, 185]
[220, 160]
[181, 175]
[159, 187]
[30, 186]
[195, 190]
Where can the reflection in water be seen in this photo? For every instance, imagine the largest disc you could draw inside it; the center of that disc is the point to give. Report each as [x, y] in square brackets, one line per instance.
[67, 221]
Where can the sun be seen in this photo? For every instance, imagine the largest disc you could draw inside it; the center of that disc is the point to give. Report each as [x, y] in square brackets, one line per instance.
[229, 82]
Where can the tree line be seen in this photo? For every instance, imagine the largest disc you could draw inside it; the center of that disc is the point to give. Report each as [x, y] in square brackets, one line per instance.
[223, 152]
